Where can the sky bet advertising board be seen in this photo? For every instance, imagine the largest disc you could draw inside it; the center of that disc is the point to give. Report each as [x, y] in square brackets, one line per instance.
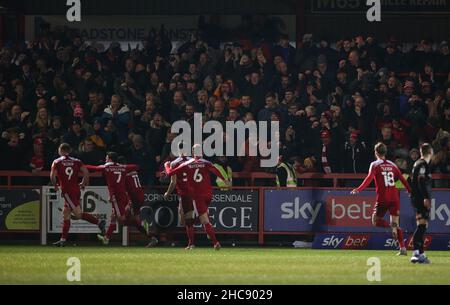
[338, 211]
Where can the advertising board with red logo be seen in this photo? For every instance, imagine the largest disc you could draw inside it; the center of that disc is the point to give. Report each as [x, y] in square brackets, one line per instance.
[313, 210]
[375, 241]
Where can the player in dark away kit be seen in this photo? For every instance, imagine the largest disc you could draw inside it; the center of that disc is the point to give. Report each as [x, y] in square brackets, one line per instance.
[421, 183]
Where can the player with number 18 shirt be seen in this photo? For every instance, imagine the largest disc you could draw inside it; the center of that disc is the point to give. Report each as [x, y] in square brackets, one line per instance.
[386, 173]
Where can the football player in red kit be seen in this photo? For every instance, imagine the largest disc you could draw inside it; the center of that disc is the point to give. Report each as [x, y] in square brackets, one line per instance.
[199, 184]
[115, 176]
[139, 212]
[179, 181]
[66, 170]
[385, 174]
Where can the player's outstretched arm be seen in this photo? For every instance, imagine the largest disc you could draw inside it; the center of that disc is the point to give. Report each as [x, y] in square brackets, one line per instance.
[365, 183]
[172, 185]
[173, 171]
[53, 176]
[94, 168]
[85, 179]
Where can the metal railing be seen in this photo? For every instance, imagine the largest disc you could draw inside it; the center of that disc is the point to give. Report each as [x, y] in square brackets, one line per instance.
[250, 178]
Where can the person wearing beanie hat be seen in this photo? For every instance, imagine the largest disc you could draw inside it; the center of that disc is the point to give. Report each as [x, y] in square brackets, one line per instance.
[356, 156]
[75, 135]
[329, 154]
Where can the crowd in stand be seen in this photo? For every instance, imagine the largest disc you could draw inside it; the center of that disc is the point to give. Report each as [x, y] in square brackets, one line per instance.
[333, 100]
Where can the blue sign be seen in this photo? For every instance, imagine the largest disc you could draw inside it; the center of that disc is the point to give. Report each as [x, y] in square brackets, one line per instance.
[337, 211]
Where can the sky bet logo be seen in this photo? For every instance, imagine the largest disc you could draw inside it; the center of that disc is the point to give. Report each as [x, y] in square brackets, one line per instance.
[440, 212]
[349, 211]
[426, 242]
[391, 243]
[295, 210]
[352, 241]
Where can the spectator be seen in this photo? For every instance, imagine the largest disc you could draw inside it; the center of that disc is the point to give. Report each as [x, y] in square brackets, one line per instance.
[177, 106]
[445, 121]
[329, 154]
[75, 135]
[156, 133]
[96, 104]
[145, 158]
[351, 87]
[38, 160]
[289, 146]
[13, 147]
[56, 132]
[413, 156]
[256, 90]
[90, 154]
[120, 116]
[41, 124]
[271, 107]
[356, 157]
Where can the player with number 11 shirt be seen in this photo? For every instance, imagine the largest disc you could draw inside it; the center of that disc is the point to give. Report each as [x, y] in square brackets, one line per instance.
[385, 173]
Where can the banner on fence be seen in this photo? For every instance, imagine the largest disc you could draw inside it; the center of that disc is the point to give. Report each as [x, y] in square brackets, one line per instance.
[19, 210]
[375, 241]
[232, 210]
[94, 200]
[338, 211]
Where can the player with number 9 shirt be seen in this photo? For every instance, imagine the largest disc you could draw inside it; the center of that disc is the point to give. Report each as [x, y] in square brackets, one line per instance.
[65, 173]
[386, 173]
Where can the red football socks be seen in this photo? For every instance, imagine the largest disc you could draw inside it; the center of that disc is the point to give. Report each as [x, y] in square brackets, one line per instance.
[89, 218]
[65, 229]
[210, 231]
[401, 242]
[190, 232]
[111, 228]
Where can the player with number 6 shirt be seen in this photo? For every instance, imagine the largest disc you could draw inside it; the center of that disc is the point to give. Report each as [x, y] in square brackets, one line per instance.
[64, 174]
[386, 173]
[198, 172]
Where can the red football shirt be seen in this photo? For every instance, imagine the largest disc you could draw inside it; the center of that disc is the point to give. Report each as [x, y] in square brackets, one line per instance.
[385, 173]
[115, 175]
[198, 176]
[67, 171]
[133, 184]
[182, 186]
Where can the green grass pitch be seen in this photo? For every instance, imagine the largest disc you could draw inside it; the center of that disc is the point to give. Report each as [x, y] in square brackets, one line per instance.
[132, 265]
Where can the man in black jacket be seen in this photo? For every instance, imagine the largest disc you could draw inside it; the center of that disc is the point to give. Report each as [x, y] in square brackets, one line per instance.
[355, 155]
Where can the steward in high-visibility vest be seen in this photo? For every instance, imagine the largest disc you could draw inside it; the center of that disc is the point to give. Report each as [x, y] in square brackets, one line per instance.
[226, 172]
[286, 175]
[399, 184]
